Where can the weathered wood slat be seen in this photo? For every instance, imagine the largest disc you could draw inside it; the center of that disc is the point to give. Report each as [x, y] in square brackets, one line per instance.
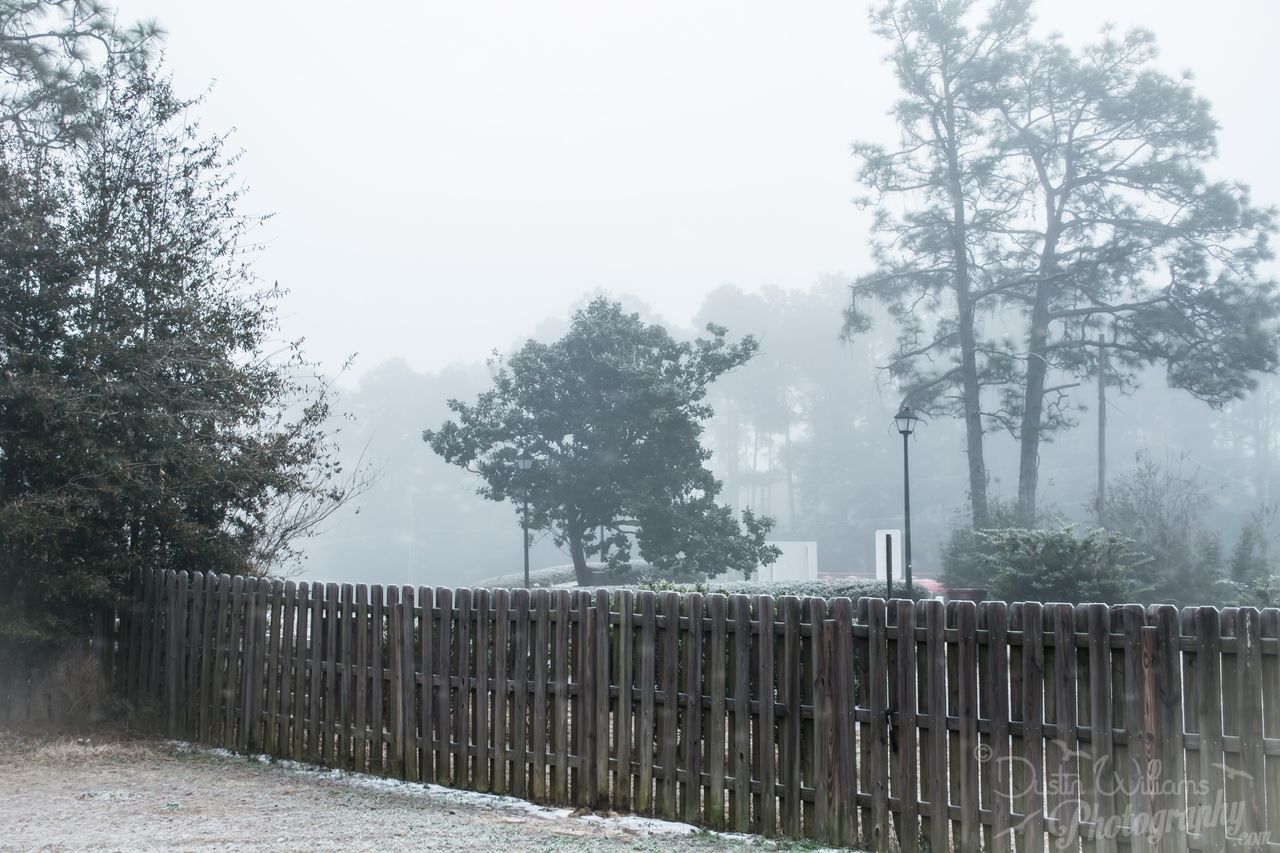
[1170, 800]
[905, 742]
[717, 667]
[766, 812]
[861, 699]
[502, 693]
[347, 675]
[330, 672]
[520, 698]
[377, 681]
[408, 687]
[624, 734]
[588, 784]
[1248, 701]
[271, 724]
[444, 673]
[818, 727]
[878, 730]
[1103, 769]
[1190, 712]
[231, 677]
[192, 698]
[668, 735]
[740, 732]
[937, 747]
[791, 730]
[691, 806]
[1028, 769]
[248, 643]
[360, 749]
[315, 686]
[426, 686]
[647, 603]
[210, 644]
[1062, 800]
[1138, 694]
[1208, 701]
[284, 729]
[300, 667]
[562, 721]
[1232, 762]
[261, 661]
[998, 748]
[581, 711]
[463, 774]
[602, 750]
[967, 711]
[480, 705]
[154, 603]
[175, 662]
[540, 605]
[1269, 625]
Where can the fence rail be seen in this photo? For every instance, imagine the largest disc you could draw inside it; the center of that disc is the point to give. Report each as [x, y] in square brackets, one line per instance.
[916, 725]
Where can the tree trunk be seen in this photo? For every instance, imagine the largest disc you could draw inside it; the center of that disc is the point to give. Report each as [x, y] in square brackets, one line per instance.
[1037, 371]
[791, 485]
[1033, 412]
[972, 409]
[578, 553]
[970, 386]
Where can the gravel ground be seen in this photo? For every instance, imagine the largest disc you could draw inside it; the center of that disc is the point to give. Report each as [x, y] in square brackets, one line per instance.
[111, 794]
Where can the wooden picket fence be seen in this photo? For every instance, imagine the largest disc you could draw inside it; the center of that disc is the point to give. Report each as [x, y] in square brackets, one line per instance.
[911, 725]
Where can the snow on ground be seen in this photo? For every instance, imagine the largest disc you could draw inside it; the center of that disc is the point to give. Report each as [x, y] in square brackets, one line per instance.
[109, 794]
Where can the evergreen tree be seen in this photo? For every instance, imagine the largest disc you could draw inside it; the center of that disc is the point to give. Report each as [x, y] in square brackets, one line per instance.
[934, 257]
[1060, 197]
[145, 418]
[611, 414]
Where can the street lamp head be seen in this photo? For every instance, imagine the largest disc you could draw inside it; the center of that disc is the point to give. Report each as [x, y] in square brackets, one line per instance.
[906, 420]
[524, 461]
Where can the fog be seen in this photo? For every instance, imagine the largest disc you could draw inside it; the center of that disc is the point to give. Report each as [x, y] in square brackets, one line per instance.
[447, 179]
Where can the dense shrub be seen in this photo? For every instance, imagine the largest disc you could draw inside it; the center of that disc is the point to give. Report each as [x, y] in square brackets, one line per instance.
[963, 551]
[1056, 565]
[1260, 592]
[1163, 513]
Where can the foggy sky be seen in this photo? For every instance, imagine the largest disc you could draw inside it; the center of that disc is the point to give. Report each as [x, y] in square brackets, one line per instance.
[445, 175]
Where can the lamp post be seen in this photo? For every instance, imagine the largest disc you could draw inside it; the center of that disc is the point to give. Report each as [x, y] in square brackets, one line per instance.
[906, 420]
[524, 462]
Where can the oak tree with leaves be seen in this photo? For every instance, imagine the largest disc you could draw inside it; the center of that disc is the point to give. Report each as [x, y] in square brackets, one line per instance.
[611, 414]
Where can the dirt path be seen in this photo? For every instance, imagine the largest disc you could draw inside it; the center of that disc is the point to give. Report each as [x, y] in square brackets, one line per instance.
[69, 794]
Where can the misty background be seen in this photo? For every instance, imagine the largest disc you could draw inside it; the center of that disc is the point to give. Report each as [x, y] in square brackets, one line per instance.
[449, 179]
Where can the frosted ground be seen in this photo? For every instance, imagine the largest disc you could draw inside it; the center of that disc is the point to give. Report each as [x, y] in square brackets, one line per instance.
[83, 794]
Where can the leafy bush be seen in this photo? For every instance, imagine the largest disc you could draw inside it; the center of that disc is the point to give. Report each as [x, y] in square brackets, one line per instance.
[1162, 512]
[1250, 560]
[964, 548]
[1056, 565]
[1260, 592]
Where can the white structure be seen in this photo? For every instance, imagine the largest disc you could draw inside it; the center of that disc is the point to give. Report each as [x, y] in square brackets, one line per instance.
[888, 549]
[797, 562]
